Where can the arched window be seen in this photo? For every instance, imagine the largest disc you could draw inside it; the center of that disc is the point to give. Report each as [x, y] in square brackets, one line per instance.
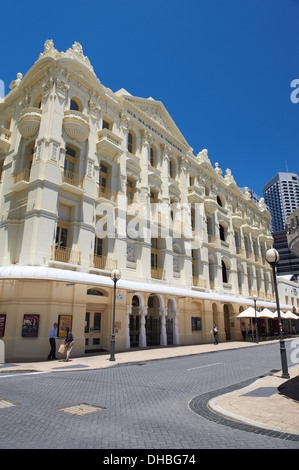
[224, 272]
[219, 201]
[135, 301]
[222, 232]
[74, 106]
[94, 292]
[130, 142]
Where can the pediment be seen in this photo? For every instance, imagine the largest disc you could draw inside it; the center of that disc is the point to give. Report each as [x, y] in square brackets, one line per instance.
[156, 111]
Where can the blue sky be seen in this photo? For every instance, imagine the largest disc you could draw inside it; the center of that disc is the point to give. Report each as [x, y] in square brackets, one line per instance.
[222, 68]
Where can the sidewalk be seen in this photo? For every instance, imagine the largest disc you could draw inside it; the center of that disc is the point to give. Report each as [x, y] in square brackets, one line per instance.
[260, 404]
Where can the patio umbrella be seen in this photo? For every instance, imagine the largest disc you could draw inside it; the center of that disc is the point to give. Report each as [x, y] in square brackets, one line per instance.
[248, 313]
[282, 314]
[266, 313]
[291, 316]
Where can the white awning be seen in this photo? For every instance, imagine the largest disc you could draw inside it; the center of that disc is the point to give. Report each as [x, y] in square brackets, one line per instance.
[68, 276]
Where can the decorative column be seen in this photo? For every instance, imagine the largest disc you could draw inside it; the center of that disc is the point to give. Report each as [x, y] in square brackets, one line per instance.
[176, 336]
[163, 335]
[165, 156]
[142, 330]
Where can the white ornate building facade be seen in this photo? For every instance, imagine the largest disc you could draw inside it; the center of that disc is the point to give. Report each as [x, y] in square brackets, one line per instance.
[92, 180]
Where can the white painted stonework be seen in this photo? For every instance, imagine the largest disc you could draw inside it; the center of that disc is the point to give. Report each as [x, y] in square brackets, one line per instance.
[92, 180]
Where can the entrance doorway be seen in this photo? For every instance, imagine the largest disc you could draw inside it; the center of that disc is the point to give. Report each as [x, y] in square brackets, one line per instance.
[153, 322]
[134, 323]
[93, 320]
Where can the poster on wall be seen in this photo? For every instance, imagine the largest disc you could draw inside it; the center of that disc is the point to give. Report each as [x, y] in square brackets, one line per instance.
[64, 321]
[2, 324]
[30, 326]
[196, 323]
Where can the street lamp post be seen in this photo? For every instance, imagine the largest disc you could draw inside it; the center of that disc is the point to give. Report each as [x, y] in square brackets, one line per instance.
[115, 276]
[256, 325]
[272, 257]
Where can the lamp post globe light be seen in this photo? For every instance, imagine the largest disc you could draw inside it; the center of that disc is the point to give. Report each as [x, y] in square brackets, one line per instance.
[272, 257]
[115, 276]
[256, 325]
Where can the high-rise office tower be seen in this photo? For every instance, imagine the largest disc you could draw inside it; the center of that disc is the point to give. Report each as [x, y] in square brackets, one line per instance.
[281, 195]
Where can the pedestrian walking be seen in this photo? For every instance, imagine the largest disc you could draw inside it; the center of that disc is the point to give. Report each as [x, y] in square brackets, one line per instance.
[215, 333]
[52, 341]
[68, 342]
[243, 330]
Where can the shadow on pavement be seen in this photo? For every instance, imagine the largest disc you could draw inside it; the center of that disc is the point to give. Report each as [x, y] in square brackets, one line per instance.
[290, 389]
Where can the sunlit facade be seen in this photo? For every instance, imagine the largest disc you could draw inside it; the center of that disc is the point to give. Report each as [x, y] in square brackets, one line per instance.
[92, 180]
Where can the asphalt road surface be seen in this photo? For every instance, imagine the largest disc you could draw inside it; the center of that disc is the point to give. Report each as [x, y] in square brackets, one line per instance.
[130, 407]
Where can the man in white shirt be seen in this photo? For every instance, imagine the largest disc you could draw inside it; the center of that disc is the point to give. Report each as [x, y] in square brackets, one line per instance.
[52, 340]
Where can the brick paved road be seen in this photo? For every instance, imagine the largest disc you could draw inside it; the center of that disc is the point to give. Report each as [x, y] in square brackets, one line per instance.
[141, 406]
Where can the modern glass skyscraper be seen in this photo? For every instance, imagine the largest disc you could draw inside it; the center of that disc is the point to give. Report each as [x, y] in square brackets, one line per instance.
[281, 195]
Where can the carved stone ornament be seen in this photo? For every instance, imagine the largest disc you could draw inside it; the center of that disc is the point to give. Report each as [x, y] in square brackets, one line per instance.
[228, 177]
[217, 169]
[131, 252]
[49, 49]
[124, 121]
[93, 103]
[16, 83]
[26, 99]
[247, 194]
[77, 52]
[203, 156]
[262, 204]
[155, 113]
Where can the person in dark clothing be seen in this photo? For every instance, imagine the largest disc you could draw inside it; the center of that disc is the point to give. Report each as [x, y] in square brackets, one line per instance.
[215, 333]
[69, 342]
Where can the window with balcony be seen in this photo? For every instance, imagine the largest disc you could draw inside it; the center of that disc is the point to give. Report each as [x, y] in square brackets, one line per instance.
[1, 169]
[222, 233]
[156, 271]
[152, 157]
[106, 125]
[103, 180]
[62, 235]
[171, 169]
[74, 104]
[69, 162]
[130, 191]
[130, 144]
[224, 272]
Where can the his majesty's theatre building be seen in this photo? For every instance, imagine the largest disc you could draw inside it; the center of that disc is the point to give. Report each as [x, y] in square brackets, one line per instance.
[93, 180]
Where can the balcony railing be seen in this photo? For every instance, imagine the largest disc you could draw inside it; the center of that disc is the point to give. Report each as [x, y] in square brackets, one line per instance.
[66, 255]
[5, 136]
[102, 262]
[73, 179]
[157, 273]
[212, 239]
[22, 175]
[196, 281]
[109, 142]
[107, 193]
